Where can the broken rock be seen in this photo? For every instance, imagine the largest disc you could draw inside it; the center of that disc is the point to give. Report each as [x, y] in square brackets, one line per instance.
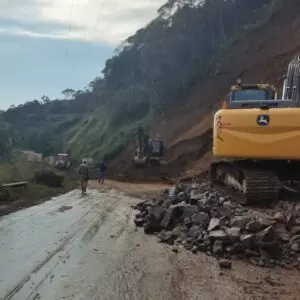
[236, 248]
[176, 232]
[225, 264]
[233, 233]
[194, 249]
[218, 248]
[253, 226]
[175, 249]
[295, 230]
[141, 206]
[188, 211]
[266, 222]
[201, 218]
[214, 224]
[290, 221]
[166, 237]
[267, 240]
[202, 247]
[239, 221]
[187, 222]
[170, 217]
[279, 217]
[194, 231]
[139, 222]
[154, 218]
[217, 235]
[247, 240]
[196, 196]
[296, 246]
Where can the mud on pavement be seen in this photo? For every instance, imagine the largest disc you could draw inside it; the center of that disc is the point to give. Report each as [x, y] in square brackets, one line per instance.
[92, 250]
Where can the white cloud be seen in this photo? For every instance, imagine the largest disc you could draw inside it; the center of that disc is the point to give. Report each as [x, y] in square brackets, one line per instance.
[109, 21]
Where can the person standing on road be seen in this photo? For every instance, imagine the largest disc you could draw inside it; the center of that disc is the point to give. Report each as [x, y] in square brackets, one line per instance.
[103, 168]
[84, 176]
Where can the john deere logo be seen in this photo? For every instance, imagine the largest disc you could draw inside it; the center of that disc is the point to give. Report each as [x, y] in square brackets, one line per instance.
[263, 120]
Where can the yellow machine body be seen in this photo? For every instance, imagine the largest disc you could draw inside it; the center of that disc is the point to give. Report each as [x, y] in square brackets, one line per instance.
[242, 133]
[256, 133]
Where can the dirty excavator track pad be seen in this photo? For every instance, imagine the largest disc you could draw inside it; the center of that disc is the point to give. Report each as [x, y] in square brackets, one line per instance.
[257, 185]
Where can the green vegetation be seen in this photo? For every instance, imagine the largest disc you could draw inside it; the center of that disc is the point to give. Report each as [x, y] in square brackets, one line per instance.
[18, 170]
[152, 70]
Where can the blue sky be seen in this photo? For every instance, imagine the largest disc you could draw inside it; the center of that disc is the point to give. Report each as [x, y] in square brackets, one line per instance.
[50, 45]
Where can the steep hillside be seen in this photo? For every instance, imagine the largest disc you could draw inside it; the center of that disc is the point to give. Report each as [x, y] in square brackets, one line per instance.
[260, 56]
[170, 76]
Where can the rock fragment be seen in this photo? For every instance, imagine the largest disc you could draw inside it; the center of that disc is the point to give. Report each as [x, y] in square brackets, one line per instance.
[225, 264]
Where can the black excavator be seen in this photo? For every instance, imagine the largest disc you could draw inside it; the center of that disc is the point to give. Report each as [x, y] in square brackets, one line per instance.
[148, 152]
[147, 163]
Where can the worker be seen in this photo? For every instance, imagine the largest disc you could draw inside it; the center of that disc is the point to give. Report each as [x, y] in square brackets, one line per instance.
[103, 167]
[84, 175]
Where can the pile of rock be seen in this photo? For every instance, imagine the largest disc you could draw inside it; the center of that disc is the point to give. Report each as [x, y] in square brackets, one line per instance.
[199, 218]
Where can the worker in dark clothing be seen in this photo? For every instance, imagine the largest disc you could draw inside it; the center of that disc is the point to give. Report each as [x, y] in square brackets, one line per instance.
[103, 168]
[84, 176]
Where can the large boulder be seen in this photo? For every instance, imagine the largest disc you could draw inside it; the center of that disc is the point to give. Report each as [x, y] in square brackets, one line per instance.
[171, 216]
[48, 178]
[154, 219]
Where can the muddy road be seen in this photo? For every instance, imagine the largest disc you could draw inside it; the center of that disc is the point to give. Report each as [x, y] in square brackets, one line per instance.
[75, 247]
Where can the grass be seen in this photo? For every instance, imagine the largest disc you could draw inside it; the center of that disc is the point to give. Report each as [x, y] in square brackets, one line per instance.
[20, 170]
[96, 137]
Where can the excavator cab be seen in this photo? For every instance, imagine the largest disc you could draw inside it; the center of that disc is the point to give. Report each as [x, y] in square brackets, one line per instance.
[246, 92]
[250, 96]
[156, 148]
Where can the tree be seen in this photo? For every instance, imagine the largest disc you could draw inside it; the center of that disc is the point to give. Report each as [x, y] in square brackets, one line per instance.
[68, 93]
[45, 99]
[6, 140]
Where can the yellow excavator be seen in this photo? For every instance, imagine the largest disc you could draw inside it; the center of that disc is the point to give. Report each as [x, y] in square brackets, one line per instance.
[256, 140]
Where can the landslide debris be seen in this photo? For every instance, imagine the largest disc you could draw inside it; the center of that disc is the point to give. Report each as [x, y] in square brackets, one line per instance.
[200, 219]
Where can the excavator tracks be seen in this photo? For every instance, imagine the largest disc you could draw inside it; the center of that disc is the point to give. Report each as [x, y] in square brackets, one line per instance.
[246, 182]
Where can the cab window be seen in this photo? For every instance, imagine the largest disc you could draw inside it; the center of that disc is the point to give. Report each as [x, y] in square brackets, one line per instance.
[248, 95]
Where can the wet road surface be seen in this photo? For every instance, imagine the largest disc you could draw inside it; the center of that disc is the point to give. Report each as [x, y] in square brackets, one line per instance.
[75, 247]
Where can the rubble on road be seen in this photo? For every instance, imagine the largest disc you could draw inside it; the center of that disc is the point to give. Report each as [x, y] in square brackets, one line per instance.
[200, 219]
